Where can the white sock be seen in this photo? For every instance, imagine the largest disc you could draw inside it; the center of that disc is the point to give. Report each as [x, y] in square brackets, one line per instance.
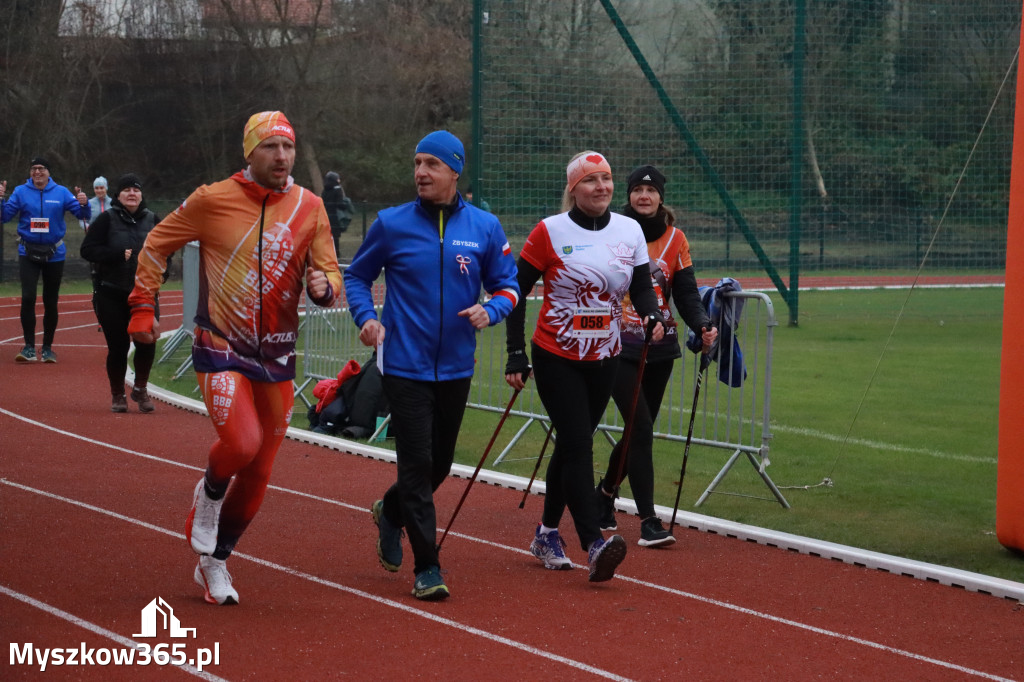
[544, 530]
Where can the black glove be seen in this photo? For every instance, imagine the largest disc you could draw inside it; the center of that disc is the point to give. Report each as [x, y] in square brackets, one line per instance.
[652, 321]
[518, 363]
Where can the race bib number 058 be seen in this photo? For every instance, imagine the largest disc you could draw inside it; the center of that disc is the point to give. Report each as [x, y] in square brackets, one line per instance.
[592, 323]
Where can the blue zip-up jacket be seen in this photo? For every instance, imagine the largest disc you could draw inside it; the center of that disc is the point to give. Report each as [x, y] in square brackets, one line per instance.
[433, 268]
[50, 202]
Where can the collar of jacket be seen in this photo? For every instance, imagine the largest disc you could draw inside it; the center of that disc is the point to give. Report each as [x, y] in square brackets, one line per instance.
[433, 210]
[590, 222]
[258, 192]
[50, 184]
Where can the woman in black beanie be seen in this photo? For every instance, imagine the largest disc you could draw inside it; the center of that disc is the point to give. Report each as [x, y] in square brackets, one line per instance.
[113, 243]
[673, 277]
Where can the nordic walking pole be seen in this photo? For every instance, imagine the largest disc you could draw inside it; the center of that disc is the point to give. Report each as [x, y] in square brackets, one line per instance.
[529, 485]
[705, 360]
[627, 429]
[480, 464]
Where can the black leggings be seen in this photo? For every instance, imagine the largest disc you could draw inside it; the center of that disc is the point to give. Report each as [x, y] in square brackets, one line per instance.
[113, 313]
[425, 420]
[640, 462]
[575, 394]
[29, 272]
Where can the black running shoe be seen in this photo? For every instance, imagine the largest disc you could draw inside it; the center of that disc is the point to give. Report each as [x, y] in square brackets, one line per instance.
[653, 534]
[605, 509]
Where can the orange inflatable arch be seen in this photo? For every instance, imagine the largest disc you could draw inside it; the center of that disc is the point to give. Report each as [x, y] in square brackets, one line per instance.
[1010, 482]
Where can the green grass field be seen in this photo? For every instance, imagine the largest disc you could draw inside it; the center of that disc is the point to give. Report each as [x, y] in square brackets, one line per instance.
[902, 419]
[904, 427]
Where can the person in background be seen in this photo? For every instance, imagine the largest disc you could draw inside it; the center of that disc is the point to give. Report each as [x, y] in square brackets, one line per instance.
[100, 202]
[436, 253]
[673, 278]
[112, 245]
[40, 205]
[259, 235]
[482, 205]
[338, 206]
[589, 259]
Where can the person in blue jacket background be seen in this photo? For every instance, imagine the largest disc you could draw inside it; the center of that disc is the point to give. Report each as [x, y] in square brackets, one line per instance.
[436, 253]
[40, 205]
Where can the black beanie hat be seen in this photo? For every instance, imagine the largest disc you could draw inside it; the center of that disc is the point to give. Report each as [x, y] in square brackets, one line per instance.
[646, 175]
[125, 181]
[40, 161]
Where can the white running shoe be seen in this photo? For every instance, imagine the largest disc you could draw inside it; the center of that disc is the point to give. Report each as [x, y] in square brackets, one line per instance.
[548, 548]
[203, 521]
[212, 575]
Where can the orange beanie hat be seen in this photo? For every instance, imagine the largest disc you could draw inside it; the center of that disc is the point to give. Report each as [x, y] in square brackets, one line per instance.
[263, 125]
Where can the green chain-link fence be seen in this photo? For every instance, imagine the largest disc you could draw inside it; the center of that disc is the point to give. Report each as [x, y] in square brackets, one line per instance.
[881, 100]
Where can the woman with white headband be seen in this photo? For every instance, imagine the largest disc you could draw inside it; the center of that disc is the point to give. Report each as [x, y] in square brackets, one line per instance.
[589, 259]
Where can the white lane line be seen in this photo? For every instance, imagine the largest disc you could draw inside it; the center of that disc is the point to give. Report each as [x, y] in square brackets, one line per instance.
[818, 630]
[880, 445]
[656, 586]
[468, 629]
[97, 629]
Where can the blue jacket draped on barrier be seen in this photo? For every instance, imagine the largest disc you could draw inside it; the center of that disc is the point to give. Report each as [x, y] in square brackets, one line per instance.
[725, 314]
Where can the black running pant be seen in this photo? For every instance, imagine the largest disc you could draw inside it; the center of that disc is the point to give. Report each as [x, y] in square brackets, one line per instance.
[640, 462]
[575, 395]
[52, 272]
[114, 313]
[425, 420]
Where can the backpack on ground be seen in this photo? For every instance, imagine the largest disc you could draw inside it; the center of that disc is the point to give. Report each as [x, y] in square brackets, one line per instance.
[350, 404]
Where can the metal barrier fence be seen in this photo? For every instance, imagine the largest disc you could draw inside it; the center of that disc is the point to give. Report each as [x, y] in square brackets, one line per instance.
[190, 302]
[735, 419]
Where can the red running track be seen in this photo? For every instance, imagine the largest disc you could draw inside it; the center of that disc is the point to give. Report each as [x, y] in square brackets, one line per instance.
[92, 506]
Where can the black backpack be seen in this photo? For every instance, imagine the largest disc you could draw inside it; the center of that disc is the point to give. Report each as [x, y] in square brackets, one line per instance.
[354, 411]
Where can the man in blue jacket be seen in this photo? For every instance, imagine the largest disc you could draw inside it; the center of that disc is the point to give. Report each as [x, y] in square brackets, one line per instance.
[40, 205]
[436, 253]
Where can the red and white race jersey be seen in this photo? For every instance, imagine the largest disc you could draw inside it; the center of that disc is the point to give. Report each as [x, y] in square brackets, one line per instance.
[586, 276]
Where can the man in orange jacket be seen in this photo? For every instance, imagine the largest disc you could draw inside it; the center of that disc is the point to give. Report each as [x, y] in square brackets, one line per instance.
[259, 234]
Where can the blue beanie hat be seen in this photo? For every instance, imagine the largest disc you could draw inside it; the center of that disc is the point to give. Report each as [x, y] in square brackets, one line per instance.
[444, 146]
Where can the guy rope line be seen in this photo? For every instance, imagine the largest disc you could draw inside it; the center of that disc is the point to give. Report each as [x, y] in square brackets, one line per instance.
[828, 480]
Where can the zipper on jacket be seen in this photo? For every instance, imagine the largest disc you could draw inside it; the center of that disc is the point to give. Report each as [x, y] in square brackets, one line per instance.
[259, 280]
[440, 276]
